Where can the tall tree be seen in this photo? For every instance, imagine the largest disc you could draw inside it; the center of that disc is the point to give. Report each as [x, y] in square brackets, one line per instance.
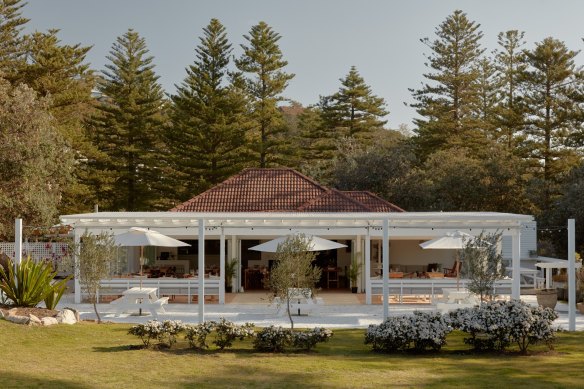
[208, 115]
[11, 48]
[129, 130]
[510, 65]
[354, 108]
[487, 93]
[60, 71]
[448, 102]
[35, 162]
[262, 62]
[554, 97]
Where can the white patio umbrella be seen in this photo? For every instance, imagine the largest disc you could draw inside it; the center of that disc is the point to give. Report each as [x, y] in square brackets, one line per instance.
[314, 242]
[140, 237]
[451, 241]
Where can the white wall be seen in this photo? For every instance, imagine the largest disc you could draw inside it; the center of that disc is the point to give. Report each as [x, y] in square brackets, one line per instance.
[528, 241]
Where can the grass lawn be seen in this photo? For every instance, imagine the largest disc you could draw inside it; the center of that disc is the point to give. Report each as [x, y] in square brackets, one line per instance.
[88, 355]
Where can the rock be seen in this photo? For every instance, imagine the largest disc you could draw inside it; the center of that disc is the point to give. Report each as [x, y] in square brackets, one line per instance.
[74, 311]
[33, 320]
[2, 316]
[66, 316]
[12, 312]
[49, 321]
[18, 319]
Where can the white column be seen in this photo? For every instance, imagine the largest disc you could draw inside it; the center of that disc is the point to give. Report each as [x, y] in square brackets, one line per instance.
[201, 276]
[77, 242]
[385, 265]
[571, 275]
[358, 258]
[515, 264]
[222, 267]
[17, 242]
[368, 268]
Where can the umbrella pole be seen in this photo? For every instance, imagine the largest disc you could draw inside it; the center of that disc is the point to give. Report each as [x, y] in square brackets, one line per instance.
[141, 262]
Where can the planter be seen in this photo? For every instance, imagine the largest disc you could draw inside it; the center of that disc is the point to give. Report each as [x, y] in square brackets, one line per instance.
[354, 289]
[547, 298]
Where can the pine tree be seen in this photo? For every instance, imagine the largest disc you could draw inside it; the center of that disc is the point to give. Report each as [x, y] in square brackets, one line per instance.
[553, 97]
[11, 49]
[487, 94]
[208, 116]
[262, 62]
[129, 130]
[354, 109]
[448, 103]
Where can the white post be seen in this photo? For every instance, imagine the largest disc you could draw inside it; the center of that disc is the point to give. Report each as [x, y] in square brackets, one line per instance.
[368, 268]
[515, 264]
[222, 267]
[17, 242]
[358, 258]
[77, 241]
[201, 275]
[385, 272]
[571, 275]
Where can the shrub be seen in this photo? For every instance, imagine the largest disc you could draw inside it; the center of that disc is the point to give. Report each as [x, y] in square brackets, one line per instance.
[227, 332]
[160, 331]
[31, 283]
[197, 334]
[306, 340]
[273, 339]
[422, 330]
[496, 325]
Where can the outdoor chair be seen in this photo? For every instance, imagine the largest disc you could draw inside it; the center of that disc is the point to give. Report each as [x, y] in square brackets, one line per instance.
[452, 272]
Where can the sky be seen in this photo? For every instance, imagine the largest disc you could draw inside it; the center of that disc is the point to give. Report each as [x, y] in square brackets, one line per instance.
[320, 39]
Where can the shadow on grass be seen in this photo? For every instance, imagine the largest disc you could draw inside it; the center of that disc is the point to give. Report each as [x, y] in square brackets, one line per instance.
[12, 380]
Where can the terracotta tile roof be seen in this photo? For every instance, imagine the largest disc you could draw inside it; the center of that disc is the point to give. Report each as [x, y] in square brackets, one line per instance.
[280, 190]
[374, 202]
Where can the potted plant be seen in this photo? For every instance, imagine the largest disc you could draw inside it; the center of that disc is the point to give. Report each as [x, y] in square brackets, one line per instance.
[230, 269]
[547, 298]
[353, 274]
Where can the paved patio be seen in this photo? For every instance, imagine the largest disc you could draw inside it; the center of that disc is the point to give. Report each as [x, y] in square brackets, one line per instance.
[250, 308]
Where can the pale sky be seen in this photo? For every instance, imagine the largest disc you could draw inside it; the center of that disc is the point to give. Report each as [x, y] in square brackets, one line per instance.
[321, 39]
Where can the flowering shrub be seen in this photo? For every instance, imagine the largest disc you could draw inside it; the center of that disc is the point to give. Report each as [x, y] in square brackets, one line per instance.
[273, 339]
[306, 340]
[197, 334]
[227, 332]
[154, 329]
[495, 325]
[422, 330]
[277, 339]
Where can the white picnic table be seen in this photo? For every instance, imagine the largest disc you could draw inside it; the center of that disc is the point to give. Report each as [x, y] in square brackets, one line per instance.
[139, 299]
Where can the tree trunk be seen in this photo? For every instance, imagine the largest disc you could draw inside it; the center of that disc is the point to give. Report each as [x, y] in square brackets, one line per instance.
[289, 314]
[96, 313]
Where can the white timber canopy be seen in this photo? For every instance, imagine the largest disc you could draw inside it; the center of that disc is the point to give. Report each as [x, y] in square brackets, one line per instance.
[360, 226]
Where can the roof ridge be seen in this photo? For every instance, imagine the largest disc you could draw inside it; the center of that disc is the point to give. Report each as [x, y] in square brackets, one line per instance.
[333, 190]
[391, 205]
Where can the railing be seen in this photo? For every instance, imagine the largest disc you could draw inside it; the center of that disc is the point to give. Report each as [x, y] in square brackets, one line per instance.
[430, 286]
[166, 286]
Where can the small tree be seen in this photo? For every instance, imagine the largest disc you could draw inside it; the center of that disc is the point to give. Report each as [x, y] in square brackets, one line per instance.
[97, 257]
[293, 269]
[482, 264]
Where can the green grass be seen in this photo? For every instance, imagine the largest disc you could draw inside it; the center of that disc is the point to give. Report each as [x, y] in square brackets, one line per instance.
[88, 355]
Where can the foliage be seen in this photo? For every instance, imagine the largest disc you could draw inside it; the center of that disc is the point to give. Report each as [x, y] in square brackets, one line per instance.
[197, 334]
[353, 111]
[230, 270]
[354, 271]
[31, 283]
[35, 161]
[263, 80]
[293, 269]
[495, 325]
[273, 339]
[11, 50]
[96, 260]
[226, 332]
[209, 117]
[131, 170]
[164, 332]
[307, 340]
[422, 330]
[482, 264]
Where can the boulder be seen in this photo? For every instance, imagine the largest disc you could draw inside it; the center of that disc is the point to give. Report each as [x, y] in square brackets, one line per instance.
[33, 320]
[74, 311]
[1, 314]
[49, 321]
[18, 319]
[12, 312]
[66, 316]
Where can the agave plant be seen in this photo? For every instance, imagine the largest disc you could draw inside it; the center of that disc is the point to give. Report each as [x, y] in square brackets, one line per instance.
[31, 283]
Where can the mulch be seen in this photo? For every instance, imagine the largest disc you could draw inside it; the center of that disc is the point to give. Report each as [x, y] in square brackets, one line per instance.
[38, 312]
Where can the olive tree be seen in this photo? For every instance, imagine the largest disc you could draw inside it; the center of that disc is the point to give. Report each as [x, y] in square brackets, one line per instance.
[293, 269]
[482, 264]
